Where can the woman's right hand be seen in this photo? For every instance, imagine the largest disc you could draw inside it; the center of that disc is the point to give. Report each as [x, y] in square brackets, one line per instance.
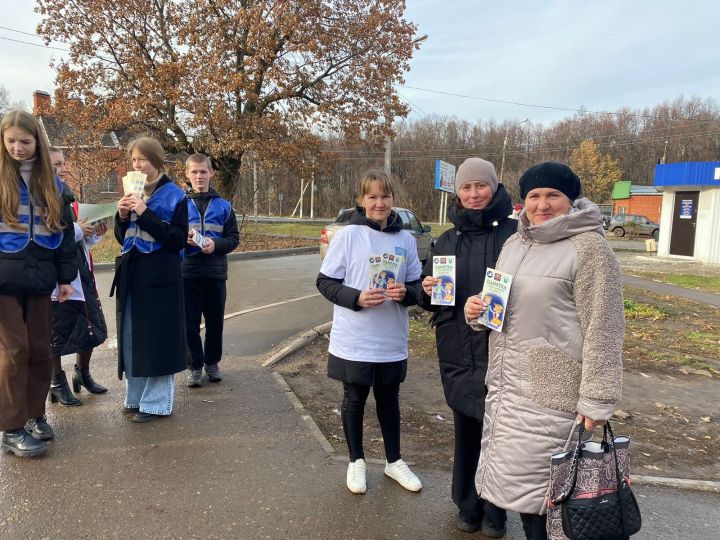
[428, 283]
[474, 307]
[124, 206]
[370, 298]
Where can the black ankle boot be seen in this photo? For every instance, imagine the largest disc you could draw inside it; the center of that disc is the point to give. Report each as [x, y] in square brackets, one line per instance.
[60, 392]
[82, 377]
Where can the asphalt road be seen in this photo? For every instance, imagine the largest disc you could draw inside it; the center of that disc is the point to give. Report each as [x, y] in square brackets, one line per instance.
[235, 460]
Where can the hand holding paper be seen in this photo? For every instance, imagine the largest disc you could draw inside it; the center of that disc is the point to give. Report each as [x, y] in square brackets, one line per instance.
[134, 182]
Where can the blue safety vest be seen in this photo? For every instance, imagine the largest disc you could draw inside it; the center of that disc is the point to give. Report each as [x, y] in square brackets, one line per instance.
[210, 225]
[162, 203]
[13, 240]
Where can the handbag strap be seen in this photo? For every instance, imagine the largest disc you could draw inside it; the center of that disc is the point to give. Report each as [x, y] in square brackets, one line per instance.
[619, 478]
[565, 495]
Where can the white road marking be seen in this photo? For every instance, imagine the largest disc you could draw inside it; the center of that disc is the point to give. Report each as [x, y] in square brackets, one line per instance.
[258, 308]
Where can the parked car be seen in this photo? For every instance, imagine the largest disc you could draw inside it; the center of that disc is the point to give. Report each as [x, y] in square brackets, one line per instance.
[622, 224]
[410, 222]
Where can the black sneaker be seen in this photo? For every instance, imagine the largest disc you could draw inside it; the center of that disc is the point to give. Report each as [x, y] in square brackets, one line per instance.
[466, 525]
[39, 428]
[213, 372]
[22, 444]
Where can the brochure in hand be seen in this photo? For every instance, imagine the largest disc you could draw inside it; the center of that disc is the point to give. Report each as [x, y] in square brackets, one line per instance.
[496, 291]
[97, 213]
[383, 270]
[134, 182]
[198, 238]
[443, 293]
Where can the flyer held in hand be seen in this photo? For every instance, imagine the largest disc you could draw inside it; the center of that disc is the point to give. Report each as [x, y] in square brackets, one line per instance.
[443, 293]
[495, 293]
[134, 182]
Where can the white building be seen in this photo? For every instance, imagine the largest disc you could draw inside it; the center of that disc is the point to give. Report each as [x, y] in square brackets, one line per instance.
[690, 219]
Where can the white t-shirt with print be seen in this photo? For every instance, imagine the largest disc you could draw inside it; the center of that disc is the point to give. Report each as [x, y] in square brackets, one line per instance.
[378, 334]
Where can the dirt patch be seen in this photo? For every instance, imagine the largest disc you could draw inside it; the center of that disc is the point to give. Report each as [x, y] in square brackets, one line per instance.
[259, 242]
[671, 384]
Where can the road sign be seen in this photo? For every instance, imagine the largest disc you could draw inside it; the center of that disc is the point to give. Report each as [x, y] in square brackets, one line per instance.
[444, 176]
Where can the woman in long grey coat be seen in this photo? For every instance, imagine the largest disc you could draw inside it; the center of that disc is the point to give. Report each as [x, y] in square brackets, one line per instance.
[558, 359]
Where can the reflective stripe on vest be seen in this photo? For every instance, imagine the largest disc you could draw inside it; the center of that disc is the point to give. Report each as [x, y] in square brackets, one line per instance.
[13, 240]
[162, 203]
[212, 224]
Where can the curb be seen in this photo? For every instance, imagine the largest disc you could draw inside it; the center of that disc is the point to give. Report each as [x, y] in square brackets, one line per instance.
[242, 255]
[303, 338]
[679, 483]
[297, 342]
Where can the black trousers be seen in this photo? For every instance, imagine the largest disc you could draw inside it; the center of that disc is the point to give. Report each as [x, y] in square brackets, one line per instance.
[387, 403]
[468, 435]
[204, 298]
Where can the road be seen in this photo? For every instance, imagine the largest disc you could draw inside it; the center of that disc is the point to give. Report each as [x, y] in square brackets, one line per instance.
[235, 460]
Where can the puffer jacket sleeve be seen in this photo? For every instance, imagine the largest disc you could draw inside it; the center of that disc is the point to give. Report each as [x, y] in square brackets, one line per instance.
[66, 261]
[599, 301]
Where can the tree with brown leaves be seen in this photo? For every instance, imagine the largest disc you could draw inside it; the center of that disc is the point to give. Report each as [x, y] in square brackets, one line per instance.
[231, 78]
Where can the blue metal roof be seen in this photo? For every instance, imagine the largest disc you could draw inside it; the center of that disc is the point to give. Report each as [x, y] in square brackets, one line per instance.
[689, 173]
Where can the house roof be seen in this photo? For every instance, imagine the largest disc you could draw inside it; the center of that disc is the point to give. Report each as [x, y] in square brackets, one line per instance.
[625, 189]
[58, 133]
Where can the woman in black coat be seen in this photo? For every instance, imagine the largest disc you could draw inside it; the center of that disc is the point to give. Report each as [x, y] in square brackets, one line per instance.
[152, 230]
[481, 226]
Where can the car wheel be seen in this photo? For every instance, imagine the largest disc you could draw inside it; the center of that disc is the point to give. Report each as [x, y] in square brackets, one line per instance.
[619, 231]
[656, 235]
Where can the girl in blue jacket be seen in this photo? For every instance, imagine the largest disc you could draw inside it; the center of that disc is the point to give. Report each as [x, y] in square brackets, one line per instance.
[36, 252]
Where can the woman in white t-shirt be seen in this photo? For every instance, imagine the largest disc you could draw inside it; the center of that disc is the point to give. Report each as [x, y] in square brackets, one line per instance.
[368, 341]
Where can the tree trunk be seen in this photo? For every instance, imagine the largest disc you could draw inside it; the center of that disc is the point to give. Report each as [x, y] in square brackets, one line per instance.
[227, 177]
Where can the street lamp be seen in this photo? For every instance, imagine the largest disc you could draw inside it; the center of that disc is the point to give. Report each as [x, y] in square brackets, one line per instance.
[502, 164]
[388, 140]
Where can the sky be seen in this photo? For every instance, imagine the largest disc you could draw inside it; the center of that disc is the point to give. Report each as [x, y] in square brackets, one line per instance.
[596, 55]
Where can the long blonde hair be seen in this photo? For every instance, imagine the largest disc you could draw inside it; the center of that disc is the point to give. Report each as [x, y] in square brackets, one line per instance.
[45, 191]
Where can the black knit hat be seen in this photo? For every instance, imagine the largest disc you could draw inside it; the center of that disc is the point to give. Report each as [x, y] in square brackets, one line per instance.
[550, 175]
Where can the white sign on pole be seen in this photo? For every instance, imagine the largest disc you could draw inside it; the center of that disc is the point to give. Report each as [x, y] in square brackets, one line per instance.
[444, 176]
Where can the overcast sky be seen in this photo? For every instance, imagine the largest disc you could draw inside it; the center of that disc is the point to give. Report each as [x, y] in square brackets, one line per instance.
[600, 55]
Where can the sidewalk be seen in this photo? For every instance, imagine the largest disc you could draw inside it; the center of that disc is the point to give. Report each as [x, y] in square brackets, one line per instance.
[236, 461]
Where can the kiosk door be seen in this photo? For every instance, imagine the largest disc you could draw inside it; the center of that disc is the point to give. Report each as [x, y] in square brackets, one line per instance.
[682, 239]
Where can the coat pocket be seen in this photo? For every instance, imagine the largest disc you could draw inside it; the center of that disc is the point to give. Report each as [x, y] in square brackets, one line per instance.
[554, 377]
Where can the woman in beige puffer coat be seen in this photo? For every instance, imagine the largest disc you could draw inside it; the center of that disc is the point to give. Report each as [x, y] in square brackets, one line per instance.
[558, 359]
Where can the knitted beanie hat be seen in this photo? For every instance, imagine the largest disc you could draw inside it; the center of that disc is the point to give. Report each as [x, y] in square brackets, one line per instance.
[476, 169]
[550, 175]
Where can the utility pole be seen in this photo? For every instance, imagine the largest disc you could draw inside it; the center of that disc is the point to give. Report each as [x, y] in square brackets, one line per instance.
[312, 190]
[388, 155]
[255, 190]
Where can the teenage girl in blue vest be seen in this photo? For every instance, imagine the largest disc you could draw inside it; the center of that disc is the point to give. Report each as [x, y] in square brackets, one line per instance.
[36, 252]
[152, 229]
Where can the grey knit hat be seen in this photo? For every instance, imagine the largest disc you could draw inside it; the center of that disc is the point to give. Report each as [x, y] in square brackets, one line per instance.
[476, 169]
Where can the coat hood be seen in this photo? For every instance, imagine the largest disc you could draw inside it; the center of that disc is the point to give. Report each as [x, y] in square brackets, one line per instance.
[466, 220]
[394, 223]
[584, 217]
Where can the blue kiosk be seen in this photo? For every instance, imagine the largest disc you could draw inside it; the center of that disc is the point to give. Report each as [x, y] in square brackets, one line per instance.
[690, 220]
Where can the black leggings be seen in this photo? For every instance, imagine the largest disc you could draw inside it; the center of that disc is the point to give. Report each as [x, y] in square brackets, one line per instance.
[388, 412]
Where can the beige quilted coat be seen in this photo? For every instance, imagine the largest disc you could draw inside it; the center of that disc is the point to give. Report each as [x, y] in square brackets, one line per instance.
[559, 354]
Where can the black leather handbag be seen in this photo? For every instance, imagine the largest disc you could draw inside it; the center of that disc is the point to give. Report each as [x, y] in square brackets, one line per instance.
[612, 515]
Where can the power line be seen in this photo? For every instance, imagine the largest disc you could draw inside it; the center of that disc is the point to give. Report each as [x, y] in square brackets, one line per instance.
[34, 44]
[532, 105]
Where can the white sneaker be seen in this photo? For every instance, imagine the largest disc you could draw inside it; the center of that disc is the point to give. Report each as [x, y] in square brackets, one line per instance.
[356, 476]
[401, 473]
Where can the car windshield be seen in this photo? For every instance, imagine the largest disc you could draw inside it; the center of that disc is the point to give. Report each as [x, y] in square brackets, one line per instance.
[344, 217]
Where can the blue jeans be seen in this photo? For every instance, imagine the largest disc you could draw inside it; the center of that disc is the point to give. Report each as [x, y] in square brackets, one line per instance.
[152, 395]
